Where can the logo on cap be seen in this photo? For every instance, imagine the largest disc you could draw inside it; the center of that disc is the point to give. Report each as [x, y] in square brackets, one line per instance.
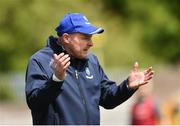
[87, 22]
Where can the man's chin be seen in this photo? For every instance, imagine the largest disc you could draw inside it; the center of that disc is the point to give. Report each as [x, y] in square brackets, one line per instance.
[83, 57]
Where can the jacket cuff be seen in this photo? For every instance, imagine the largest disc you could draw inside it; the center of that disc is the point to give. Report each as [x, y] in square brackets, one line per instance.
[127, 86]
[54, 78]
[55, 82]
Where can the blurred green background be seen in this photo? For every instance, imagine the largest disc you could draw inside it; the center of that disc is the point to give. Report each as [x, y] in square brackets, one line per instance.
[147, 31]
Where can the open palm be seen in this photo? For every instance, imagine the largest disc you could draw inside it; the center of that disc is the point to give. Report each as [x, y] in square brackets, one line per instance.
[136, 78]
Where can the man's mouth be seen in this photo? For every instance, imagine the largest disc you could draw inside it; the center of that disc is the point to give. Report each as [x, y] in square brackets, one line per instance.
[86, 50]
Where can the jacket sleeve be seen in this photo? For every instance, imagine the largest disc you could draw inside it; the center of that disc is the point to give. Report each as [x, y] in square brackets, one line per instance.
[41, 90]
[111, 94]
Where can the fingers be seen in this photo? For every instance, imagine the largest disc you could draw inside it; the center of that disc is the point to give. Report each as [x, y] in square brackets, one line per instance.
[66, 60]
[148, 78]
[57, 57]
[151, 73]
[65, 67]
[148, 70]
[61, 61]
[148, 74]
[135, 67]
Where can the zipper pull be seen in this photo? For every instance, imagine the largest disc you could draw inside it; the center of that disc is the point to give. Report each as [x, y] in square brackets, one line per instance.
[76, 74]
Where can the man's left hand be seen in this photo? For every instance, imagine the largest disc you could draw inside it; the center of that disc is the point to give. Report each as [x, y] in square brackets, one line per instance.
[137, 78]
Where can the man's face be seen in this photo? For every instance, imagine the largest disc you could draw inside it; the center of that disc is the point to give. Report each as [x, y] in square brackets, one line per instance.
[79, 44]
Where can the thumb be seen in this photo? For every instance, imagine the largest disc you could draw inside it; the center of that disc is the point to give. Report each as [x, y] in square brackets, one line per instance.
[55, 56]
[135, 67]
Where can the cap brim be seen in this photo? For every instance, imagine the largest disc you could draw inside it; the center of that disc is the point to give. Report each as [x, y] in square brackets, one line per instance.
[97, 31]
[90, 30]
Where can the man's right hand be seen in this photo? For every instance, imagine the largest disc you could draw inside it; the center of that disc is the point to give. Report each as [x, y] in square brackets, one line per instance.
[60, 64]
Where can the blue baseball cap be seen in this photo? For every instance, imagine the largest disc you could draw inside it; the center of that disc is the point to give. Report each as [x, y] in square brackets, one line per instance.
[76, 23]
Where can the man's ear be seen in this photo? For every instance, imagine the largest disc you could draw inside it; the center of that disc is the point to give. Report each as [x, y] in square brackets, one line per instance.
[65, 38]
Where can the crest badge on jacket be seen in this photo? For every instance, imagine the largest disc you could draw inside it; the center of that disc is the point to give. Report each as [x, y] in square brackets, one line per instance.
[88, 73]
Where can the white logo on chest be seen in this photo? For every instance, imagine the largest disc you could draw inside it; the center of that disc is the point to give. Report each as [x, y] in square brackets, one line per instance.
[88, 73]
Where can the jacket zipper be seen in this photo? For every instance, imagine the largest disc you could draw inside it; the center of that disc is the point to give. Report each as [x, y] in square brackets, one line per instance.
[82, 95]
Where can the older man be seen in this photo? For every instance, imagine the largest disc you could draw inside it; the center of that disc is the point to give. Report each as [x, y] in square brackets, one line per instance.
[65, 84]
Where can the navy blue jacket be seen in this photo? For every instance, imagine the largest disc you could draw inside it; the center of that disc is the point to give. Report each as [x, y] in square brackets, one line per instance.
[76, 100]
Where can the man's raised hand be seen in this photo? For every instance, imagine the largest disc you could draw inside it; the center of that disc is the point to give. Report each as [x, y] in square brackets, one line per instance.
[60, 64]
[137, 78]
